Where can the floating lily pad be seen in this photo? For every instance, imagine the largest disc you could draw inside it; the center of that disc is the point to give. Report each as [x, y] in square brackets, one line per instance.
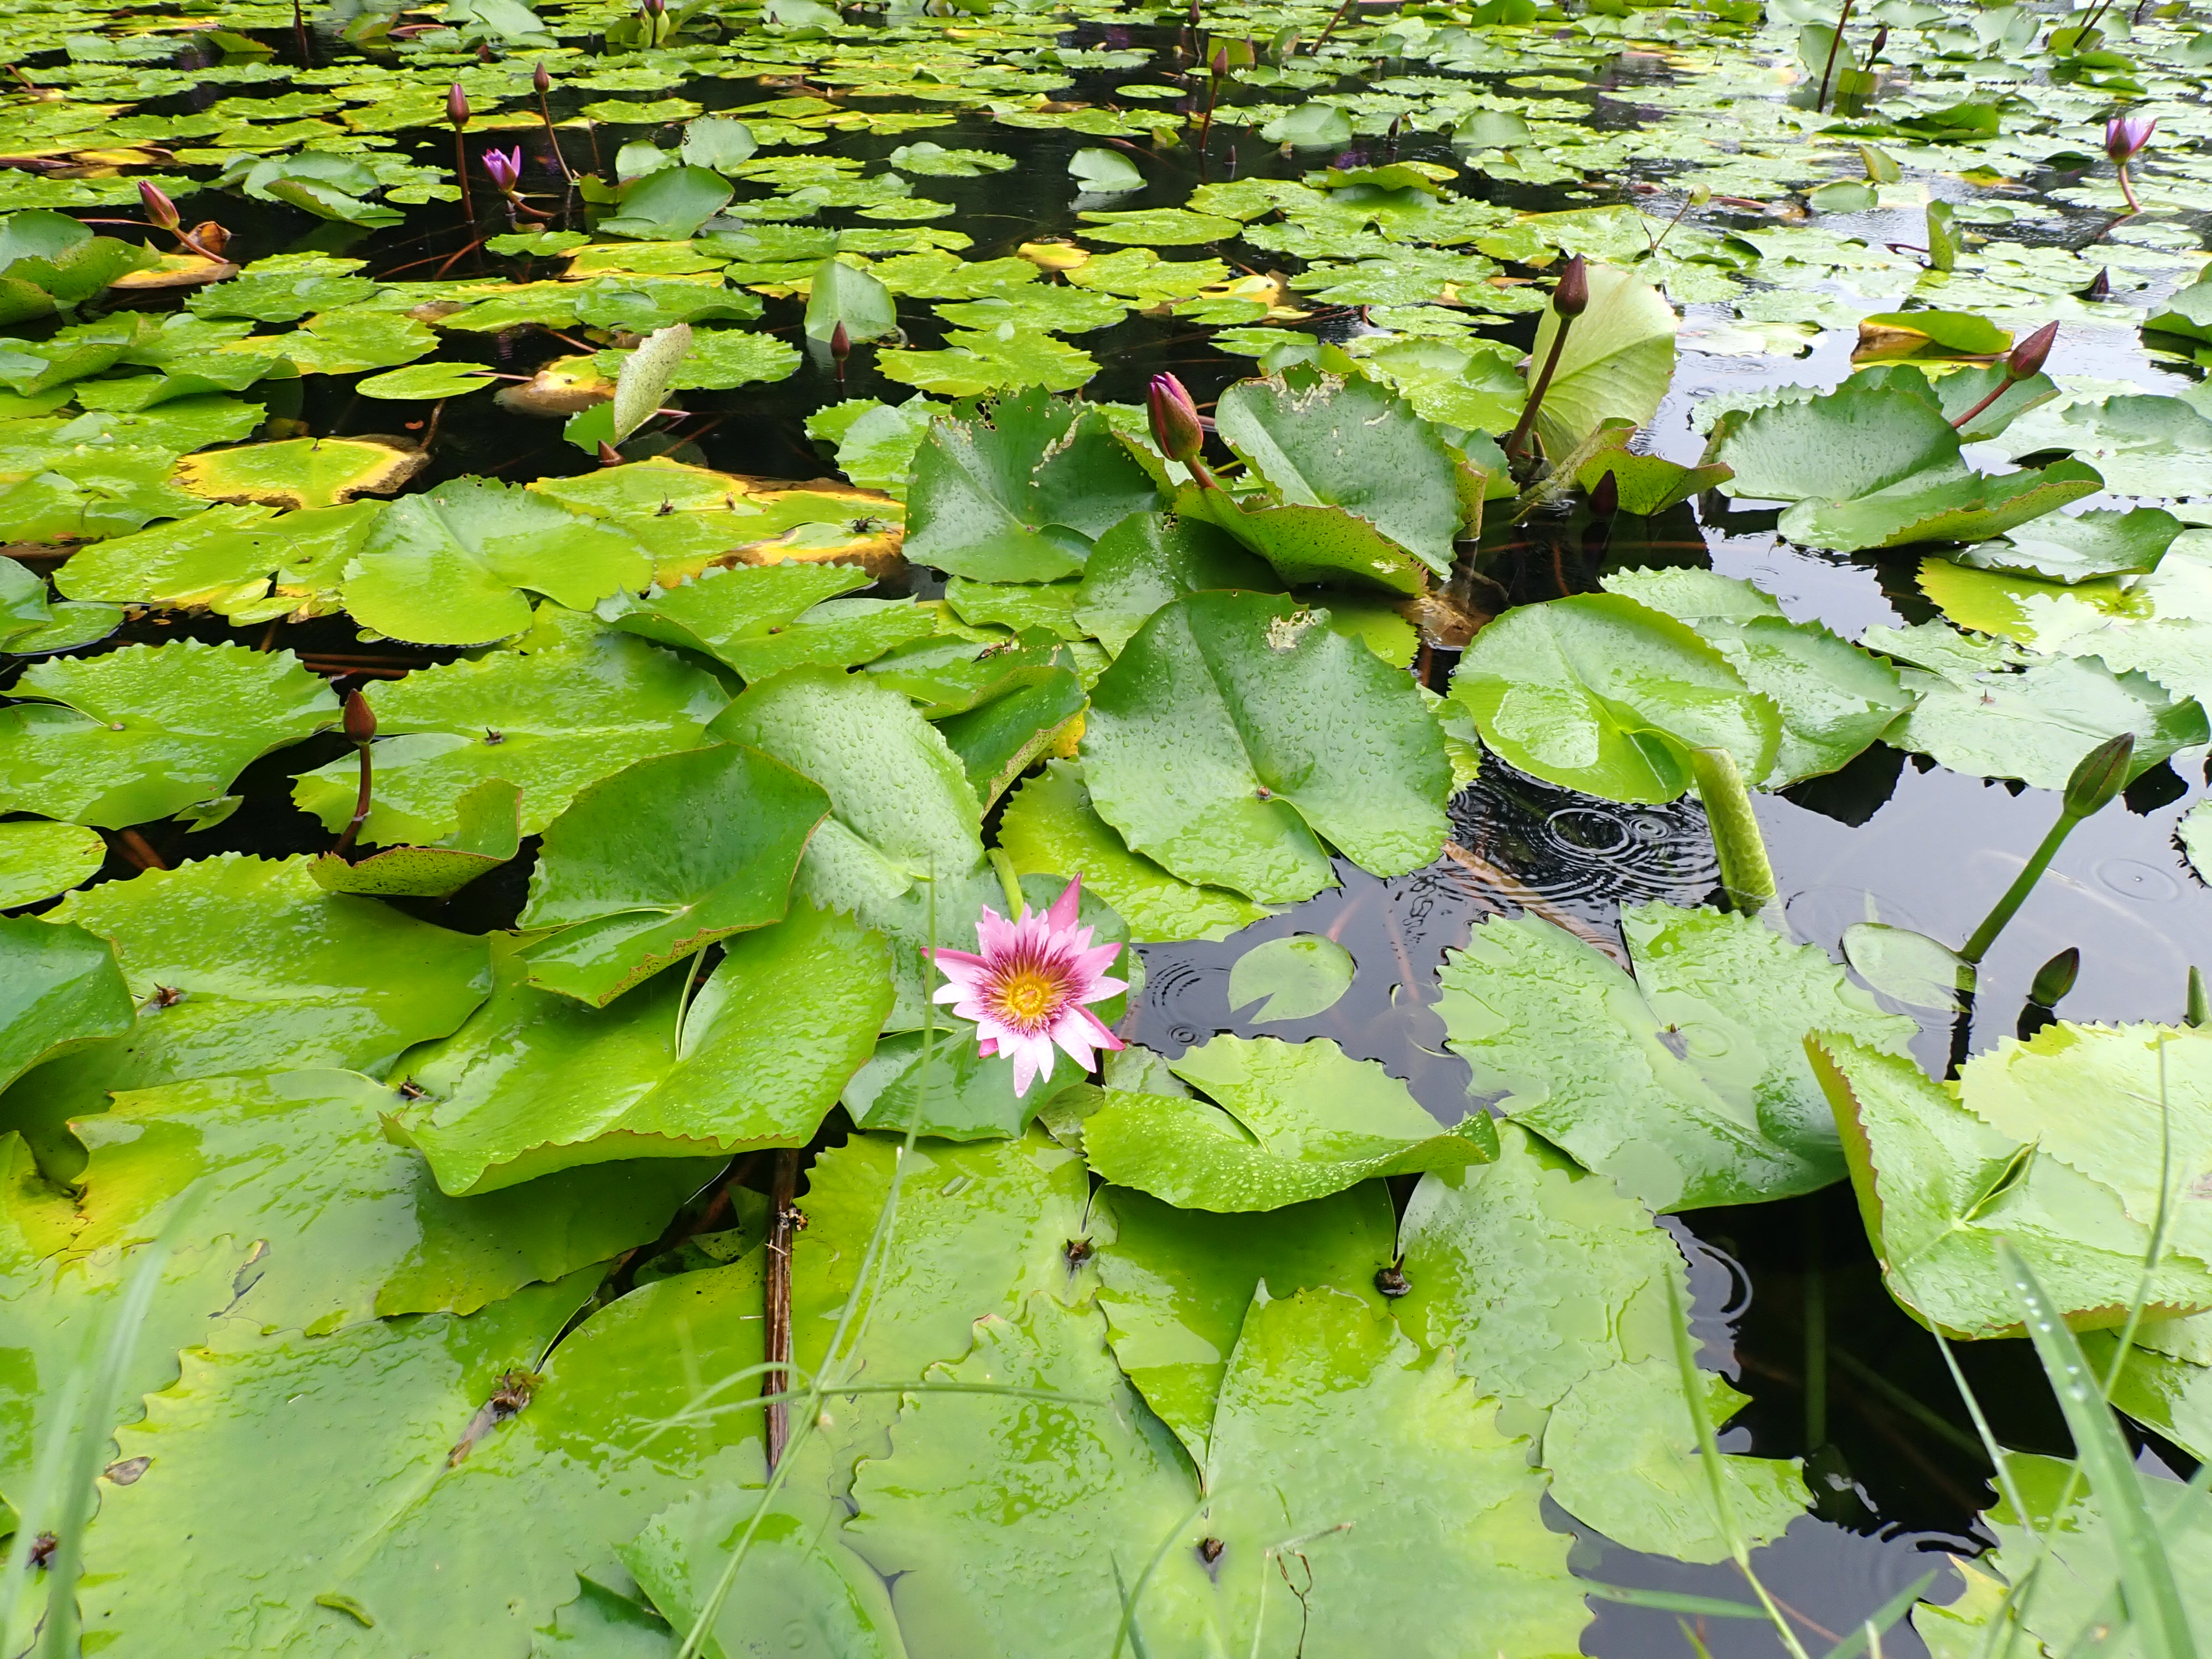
[1604, 694]
[1687, 1083]
[490, 834]
[575, 707]
[1150, 559]
[1019, 493]
[244, 965]
[2036, 725]
[144, 731]
[1295, 1122]
[1200, 745]
[1051, 826]
[1294, 977]
[248, 563]
[661, 860]
[301, 471]
[453, 566]
[1938, 1186]
[39, 859]
[757, 1058]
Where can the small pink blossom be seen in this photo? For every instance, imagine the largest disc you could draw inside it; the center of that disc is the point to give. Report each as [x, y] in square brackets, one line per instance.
[1026, 991]
[505, 170]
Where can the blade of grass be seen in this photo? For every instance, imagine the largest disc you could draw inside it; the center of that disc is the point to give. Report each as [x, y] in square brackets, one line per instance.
[1704, 1607]
[1125, 1634]
[1868, 1634]
[2154, 1601]
[1709, 1455]
[94, 1432]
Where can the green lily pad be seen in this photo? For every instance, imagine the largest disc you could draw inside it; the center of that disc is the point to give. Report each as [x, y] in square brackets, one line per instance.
[1296, 1121]
[1604, 694]
[39, 859]
[60, 990]
[948, 674]
[1149, 560]
[1176, 1285]
[1624, 1455]
[426, 380]
[1294, 977]
[143, 731]
[2035, 726]
[405, 1406]
[1020, 492]
[668, 205]
[999, 740]
[300, 472]
[1646, 484]
[1938, 1186]
[32, 624]
[929, 160]
[1001, 359]
[244, 965]
[2082, 547]
[248, 563]
[1050, 826]
[1686, 1083]
[840, 295]
[1104, 172]
[1157, 227]
[452, 566]
[1352, 444]
[758, 1056]
[1942, 508]
[578, 705]
[489, 835]
[1853, 441]
[1199, 745]
[661, 860]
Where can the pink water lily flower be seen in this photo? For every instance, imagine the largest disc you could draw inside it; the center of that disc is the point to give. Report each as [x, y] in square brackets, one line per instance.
[1026, 991]
[505, 170]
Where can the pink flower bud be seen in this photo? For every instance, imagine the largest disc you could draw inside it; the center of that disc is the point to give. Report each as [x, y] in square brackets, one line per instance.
[1571, 297]
[2125, 136]
[457, 105]
[840, 343]
[2027, 358]
[360, 718]
[541, 81]
[160, 210]
[1176, 426]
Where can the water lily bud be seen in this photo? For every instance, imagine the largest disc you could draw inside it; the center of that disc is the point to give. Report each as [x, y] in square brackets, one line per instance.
[1218, 65]
[2055, 977]
[1881, 39]
[2126, 134]
[541, 81]
[655, 7]
[1175, 427]
[2027, 358]
[360, 718]
[1605, 497]
[160, 210]
[2100, 775]
[1571, 297]
[457, 105]
[840, 343]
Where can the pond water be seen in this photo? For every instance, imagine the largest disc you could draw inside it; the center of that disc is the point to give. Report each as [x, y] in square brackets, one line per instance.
[1790, 1300]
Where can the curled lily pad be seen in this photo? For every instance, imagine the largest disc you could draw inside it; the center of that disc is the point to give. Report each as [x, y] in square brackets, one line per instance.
[1150, 559]
[1203, 745]
[1616, 364]
[661, 860]
[141, 732]
[755, 1058]
[1295, 1122]
[32, 624]
[60, 990]
[1938, 1186]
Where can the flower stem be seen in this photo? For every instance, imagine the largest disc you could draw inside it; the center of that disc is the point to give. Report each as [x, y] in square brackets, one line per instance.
[1999, 391]
[1745, 874]
[1842, 19]
[361, 802]
[554, 139]
[461, 171]
[2128, 189]
[1518, 444]
[2016, 895]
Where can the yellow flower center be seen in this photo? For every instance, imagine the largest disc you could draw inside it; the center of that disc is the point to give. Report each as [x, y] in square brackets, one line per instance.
[1027, 994]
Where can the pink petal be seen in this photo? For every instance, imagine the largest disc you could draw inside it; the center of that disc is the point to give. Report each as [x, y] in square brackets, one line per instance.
[1103, 1038]
[1103, 988]
[1064, 907]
